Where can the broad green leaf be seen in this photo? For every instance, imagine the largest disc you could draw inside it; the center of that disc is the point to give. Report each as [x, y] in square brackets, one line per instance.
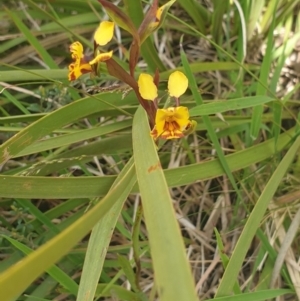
[80, 187]
[160, 219]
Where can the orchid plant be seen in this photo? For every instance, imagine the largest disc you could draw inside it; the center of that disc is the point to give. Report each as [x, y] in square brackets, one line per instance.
[167, 123]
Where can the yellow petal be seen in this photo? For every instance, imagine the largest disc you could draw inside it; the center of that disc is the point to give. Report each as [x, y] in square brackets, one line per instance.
[177, 84]
[76, 50]
[159, 12]
[77, 69]
[160, 120]
[104, 33]
[181, 117]
[163, 10]
[102, 57]
[147, 88]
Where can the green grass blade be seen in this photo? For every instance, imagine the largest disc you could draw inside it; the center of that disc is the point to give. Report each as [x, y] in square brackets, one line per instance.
[278, 107]
[229, 105]
[173, 276]
[196, 13]
[56, 273]
[255, 296]
[27, 270]
[33, 298]
[120, 292]
[254, 11]
[97, 248]
[149, 53]
[225, 260]
[44, 220]
[62, 74]
[263, 78]
[134, 9]
[211, 132]
[128, 271]
[253, 223]
[15, 101]
[33, 75]
[33, 41]
[68, 139]
[52, 121]
[80, 187]
[148, 50]
[217, 18]
[272, 254]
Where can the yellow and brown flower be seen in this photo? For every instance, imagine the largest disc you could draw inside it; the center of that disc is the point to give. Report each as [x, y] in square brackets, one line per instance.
[81, 64]
[172, 122]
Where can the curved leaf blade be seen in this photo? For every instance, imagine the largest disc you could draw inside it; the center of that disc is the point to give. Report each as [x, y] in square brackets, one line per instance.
[174, 280]
[27, 270]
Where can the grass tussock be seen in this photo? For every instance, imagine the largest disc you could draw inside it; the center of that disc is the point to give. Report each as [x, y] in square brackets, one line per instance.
[95, 204]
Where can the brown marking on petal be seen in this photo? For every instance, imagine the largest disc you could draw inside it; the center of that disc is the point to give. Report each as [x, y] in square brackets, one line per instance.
[154, 167]
[72, 76]
[154, 133]
[83, 70]
[172, 135]
[71, 66]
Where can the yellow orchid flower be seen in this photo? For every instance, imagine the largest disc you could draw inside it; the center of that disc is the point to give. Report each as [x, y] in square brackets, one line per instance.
[81, 64]
[177, 84]
[171, 123]
[147, 88]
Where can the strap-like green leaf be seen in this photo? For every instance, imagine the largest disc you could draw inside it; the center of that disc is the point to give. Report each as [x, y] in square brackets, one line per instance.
[173, 278]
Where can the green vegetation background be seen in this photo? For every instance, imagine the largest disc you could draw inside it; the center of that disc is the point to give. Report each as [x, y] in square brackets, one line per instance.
[73, 161]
